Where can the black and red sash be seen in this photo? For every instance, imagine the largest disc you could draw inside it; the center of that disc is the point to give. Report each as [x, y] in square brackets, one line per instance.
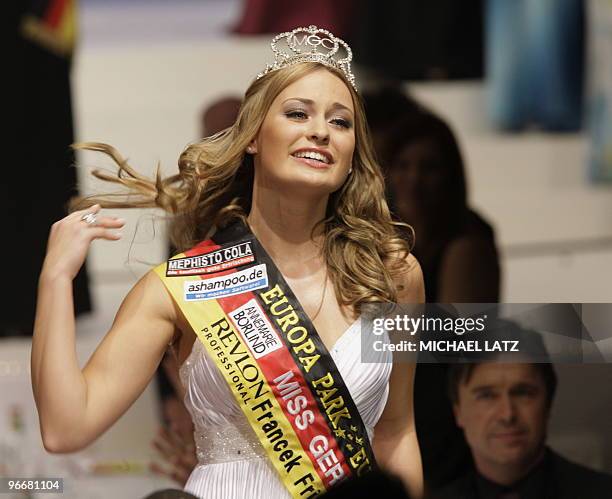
[272, 358]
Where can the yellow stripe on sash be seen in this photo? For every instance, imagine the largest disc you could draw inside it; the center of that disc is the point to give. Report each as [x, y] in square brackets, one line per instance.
[250, 388]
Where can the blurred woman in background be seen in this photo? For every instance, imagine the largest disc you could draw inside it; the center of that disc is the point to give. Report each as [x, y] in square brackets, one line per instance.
[426, 188]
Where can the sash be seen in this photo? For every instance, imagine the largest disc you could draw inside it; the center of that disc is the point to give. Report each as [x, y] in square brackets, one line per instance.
[272, 358]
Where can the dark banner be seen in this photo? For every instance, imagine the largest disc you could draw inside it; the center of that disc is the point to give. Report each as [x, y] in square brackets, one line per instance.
[570, 333]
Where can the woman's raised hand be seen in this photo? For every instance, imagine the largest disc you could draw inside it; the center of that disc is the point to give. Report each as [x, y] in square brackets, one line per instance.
[71, 236]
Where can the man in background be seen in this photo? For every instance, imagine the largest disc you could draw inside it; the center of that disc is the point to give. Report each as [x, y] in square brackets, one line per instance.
[503, 410]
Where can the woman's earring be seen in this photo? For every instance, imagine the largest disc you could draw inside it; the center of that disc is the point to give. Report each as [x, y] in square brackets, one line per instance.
[350, 171]
[250, 149]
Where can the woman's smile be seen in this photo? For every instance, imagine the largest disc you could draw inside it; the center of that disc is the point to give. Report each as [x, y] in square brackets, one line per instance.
[307, 140]
[313, 157]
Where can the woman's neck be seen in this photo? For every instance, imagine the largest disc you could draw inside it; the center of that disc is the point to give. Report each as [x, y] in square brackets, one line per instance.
[285, 226]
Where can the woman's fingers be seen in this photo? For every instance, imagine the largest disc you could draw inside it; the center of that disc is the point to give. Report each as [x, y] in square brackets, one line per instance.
[188, 460]
[176, 452]
[179, 476]
[164, 444]
[80, 213]
[102, 233]
[175, 440]
[170, 443]
[106, 221]
[109, 222]
[70, 239]
[165, 451]
[180, 441]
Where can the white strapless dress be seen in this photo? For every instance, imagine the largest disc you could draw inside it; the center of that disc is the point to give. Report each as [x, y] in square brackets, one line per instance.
[231, 462]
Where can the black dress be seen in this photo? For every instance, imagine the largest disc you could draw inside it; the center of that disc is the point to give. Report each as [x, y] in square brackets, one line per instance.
[444, 451]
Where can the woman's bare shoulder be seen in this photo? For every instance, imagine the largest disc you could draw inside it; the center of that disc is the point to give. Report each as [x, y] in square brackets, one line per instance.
[150, 294]
[409, 281]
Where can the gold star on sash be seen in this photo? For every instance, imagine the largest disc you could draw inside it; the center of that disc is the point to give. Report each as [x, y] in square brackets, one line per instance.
[340, 433]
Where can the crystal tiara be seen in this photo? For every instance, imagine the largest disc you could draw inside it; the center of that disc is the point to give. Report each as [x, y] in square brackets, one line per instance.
[310, 44]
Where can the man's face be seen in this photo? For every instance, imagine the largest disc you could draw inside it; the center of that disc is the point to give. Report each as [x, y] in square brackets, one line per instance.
[503, 412]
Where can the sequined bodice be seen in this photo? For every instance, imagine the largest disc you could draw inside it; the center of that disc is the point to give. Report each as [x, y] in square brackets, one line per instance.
[221, 444]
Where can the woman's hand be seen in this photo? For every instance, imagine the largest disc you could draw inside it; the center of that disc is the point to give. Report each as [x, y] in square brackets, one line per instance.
[178, 451]
[175, 441]
[70, 238]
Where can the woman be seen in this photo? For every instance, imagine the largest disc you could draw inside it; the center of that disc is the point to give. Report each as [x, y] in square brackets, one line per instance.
[456, 248]
[297, 173]
[427, 188]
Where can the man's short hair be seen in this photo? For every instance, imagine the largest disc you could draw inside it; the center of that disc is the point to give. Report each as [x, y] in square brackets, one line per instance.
[533, 348]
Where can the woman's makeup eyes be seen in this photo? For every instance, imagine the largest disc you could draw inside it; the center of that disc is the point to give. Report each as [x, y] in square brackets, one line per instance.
[299, 114]
[342, 122]
[296, 114]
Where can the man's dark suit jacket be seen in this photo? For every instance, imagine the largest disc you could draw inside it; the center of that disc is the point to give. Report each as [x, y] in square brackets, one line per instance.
[560, 479]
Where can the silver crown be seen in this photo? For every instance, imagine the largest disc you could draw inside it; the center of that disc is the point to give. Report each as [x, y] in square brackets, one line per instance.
[311, 44]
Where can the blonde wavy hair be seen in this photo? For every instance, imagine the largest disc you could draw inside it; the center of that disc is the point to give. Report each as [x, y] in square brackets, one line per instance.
[363, 248]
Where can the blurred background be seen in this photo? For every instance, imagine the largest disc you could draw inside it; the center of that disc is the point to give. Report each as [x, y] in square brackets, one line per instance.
[526, 91]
